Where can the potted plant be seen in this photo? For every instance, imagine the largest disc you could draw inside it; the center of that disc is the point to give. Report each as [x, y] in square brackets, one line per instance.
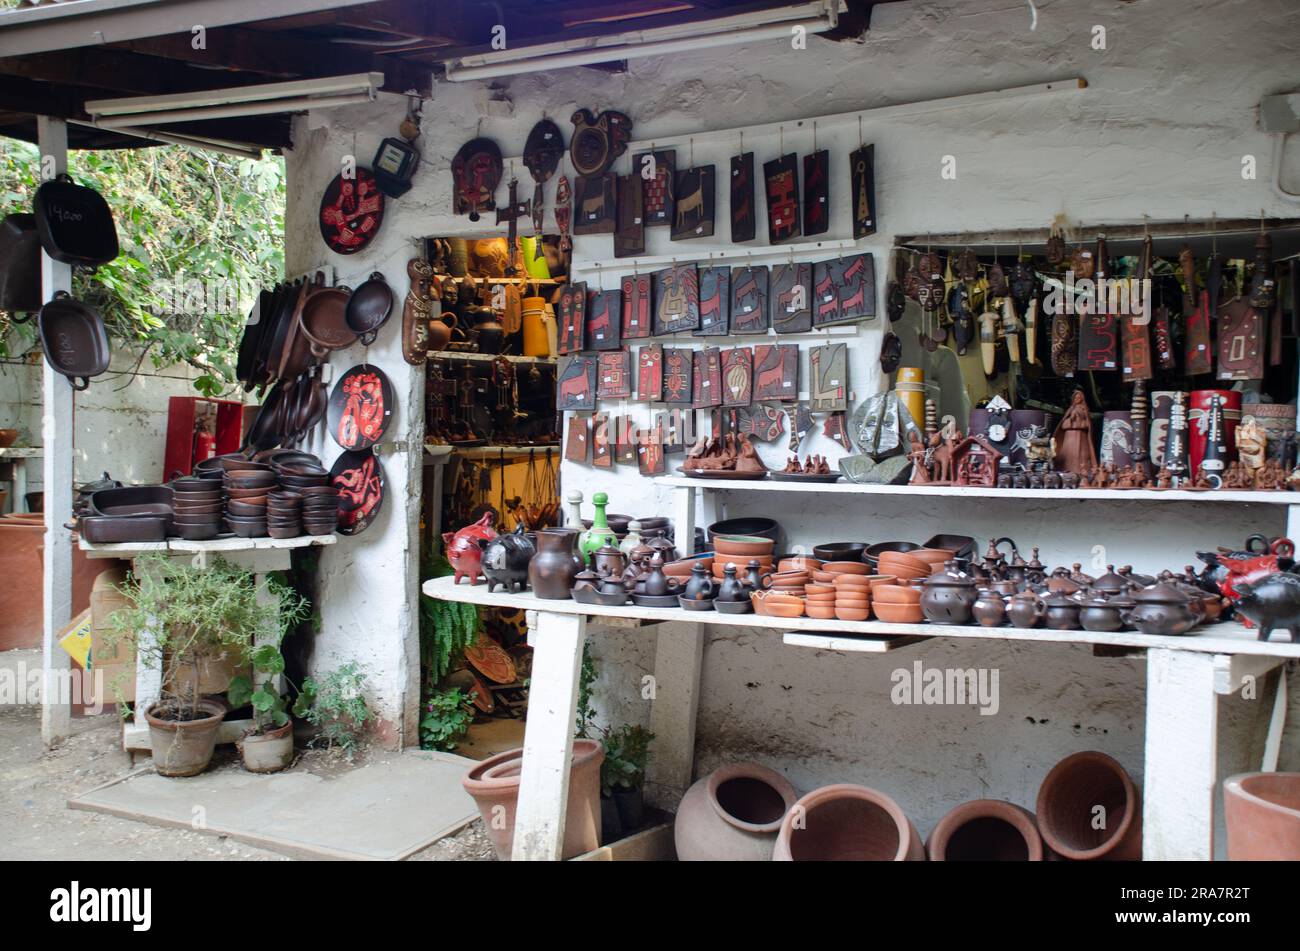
[268, 747]
[336, 706]
[622, 780]
[197, 617]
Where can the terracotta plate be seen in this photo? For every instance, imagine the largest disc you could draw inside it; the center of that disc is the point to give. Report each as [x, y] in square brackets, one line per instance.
[804, 477]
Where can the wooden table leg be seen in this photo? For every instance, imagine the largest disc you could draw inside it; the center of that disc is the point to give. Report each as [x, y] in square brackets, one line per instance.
[679, 653]
[1181, 770]
[548, 736]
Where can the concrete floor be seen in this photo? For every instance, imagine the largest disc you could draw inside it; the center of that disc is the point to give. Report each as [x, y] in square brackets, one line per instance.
[35, 785]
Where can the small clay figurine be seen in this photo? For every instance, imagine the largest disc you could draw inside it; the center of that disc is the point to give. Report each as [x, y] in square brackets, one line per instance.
[1075, 451]
[1252, 443]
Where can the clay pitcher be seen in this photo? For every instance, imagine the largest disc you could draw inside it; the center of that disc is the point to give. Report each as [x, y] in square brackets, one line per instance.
[556, 564]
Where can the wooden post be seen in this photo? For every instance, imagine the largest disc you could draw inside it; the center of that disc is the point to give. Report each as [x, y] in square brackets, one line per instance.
[684, 520]
[679, 653]
[548, 737]
[56, 594]
[1182, 728]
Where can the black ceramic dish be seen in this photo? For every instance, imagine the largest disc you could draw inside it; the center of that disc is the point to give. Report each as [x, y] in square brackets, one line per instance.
[734, 607]
[839, 551]
[369, 308]
[592, 596]
[360, 407]
[20, 266]
[753, 525]
[105, 530]
[74, 339]
[962, 546]
[74, 223]
[696, 604]
[872, 554]
[655, 600]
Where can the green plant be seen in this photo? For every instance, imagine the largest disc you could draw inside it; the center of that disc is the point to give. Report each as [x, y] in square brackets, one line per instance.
[627, 750]
[195, 614]
[446, 629]
[447, 718]
[586, 677]
[269, 707]
[336, 704]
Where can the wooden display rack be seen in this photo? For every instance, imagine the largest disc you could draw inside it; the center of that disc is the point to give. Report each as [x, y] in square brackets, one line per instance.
[1185, 675]
[258, 555]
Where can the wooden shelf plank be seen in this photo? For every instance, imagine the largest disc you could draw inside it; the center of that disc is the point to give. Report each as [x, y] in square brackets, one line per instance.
[1225, 638]
[216, 545]
[1218, 497]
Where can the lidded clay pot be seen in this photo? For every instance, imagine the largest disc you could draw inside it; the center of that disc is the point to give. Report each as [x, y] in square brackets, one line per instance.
[989, 609]
[1105, 612]
[733, 814]
[556, 564]
[1025, 609]
[1164, 609]
[1061, 612]
[1112, 582]
[949, 596]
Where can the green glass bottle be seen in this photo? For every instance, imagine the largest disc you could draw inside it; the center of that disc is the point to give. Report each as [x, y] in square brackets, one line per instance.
[594, 538]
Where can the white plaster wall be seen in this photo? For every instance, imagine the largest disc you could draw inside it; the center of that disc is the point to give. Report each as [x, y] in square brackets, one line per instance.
[1161, 130]
[121, 422]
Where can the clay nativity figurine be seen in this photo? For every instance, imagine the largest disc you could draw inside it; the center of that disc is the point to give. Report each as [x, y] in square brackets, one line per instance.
[948, 458]
[730, 453]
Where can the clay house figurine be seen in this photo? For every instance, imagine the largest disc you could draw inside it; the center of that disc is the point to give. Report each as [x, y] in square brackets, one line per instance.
[975, 462]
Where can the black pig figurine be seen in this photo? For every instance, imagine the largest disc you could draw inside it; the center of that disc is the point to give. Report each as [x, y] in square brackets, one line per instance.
[506, 558]
[1271, 602]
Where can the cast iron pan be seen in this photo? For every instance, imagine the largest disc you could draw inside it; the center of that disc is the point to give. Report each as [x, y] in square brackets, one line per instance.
[297, 348]
[74, 339]
[370, 307]
[20, 266]
[324, 320]
[264, 433]
[252, 337]
[74, 223]
[359, 480]
[275, 344]
[360, 407]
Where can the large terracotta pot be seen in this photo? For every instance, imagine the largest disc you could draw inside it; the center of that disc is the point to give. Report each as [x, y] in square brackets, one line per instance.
[844, 822]
[733, 814]
[184, 747]
[1262, 811]
[494, 784]
[986, 830]
[556, 564]
[1068, 814]
[22, 547]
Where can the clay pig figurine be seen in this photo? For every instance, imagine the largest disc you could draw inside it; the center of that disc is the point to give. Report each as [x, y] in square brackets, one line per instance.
[463, 549]
[505, 559]
[1271, 602]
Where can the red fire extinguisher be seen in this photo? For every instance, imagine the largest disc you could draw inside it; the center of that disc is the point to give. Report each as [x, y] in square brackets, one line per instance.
[205, 445]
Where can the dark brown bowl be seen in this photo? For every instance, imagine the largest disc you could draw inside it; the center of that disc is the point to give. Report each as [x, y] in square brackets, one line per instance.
[102, 530]
[246, 494]
[249, 529]
[203, 508]
[237, 461]
[245, 509]
[292, 532]
[197, 533]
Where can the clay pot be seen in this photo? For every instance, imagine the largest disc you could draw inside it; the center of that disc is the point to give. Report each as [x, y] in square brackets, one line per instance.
[268, 752]
[846, 568]
[899, 613]
[896, 594]
[1067, 809]
[1262, 811]
[1061, 612]
[844, 822]
[184, 747]
[1105, 613]
[986, 830]
[742, 547]
[1163, 609]
[820, 612]
[989, 609]
[556, 564]
[1025, 610]
[733, 814]
[852, 613]
[682, 569]
[949, 597]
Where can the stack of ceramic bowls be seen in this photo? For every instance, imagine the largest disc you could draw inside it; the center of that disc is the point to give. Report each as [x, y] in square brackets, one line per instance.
[819, 600]
[904, 565]
[284, 514]
[304, 475]
[898, 603]
[742, 549]
[197, 506]
[247, 485]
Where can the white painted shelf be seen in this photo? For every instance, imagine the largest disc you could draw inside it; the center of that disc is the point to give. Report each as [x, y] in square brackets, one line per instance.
[229, 545]
[1219, 496]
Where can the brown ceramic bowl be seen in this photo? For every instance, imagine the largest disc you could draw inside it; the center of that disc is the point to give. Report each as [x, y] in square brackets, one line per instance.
[932, 556]
[847, 568]
[903, 561]
[852, 601]
[878, 580]
[899, 613]
[8, 437]
[237, 461]
[785, 610]
[896, 594]
[746, 546]
[822, 577]
[852, 614]
[856, 582]
[812, 589]
[798, 563]
[820, 598]
[682, 569]
[820, 612]
[906, 575]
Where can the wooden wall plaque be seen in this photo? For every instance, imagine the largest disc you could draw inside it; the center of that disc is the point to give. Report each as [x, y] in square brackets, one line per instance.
[604, 320]
[594, 204]
[614, 376]
[602, 449]
[816, 193]
[1098, 338]
[742, 197]
[737, 376]
[694, 196]
[706, 380]
[1241, 341]
[862, 169]
[781, 185]
[629, 221]
[776, 372]
[749, 296]
[650, 373]
[676, 299]
[791, 302]
[656, 169]
[577, 442]
[575, 385]
[844, 290]
[677, 376]
[715, 301]
[636, 306]
[828, 371]
[571, 315]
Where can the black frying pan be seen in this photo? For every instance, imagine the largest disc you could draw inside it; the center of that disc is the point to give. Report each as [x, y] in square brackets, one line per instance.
[20, 266]
[252, 336]
[369, 308]
[74, 339]
[265, 433]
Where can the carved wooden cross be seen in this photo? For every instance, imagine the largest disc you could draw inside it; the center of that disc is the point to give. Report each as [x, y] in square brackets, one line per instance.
[516, 210]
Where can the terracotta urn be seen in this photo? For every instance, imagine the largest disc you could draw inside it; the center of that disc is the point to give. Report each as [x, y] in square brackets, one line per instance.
[1262, 811]
[733, 814]
[844, 822]
[463, 549]
[556, 564]
[1068, 815]
[949, 596]
[494, 784]
[986, 830]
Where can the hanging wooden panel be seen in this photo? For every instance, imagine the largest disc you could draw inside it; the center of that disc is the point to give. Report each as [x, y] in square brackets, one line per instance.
[781, 185]
[577, 441]
[655, 170]
[844, 290]
[1098, 338]
[715, 301]
[677, 376]
[571, 314]
[737, 376]
[749, 297]
[677, 299]
[776, 372]
[816, 193]
[575, 385]
[614, 376]
[629, 224]
[594, 204]
[636, 306]
[650, 373]
[791, 298]
[828, 372]
[706, 379]
[1241, 341]
[602, 448]
[862, 166]
[604, 320]
[1136, 340]
[694, 195]
[742, 198]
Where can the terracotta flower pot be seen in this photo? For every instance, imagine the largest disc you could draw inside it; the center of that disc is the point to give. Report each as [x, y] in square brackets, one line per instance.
[494, 784]
[268, 752]
[1067, 809]
[986, 830]
[1262, 811]
[184, 747]
[844, 822]
[733, 814]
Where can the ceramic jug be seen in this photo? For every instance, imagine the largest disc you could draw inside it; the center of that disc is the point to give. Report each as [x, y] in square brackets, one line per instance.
[556, 564]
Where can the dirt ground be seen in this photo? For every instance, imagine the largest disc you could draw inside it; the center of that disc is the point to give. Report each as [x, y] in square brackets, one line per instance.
[36, 784]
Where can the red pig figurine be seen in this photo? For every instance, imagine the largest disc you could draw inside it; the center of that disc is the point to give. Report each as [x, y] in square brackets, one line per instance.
[463, 549]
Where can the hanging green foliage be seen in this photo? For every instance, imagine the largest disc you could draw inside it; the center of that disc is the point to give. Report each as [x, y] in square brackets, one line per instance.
[200, 232]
